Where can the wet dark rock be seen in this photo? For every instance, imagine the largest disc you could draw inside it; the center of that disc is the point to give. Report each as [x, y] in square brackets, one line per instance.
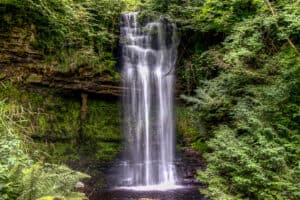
[21, 62]
[187, 166]
[99, 84]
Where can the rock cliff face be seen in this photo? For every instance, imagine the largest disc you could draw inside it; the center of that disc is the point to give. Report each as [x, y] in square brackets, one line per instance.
[21, 62]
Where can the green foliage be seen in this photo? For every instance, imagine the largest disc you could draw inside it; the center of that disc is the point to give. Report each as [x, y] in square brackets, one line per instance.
[103, 121]
[201, 66]
[188, 127]
[250, 165]
[247, 96]
[40, 180]
[244, 115]
[59, 152]
[161, 5]
[253, 130]
[56, 119]
[71, 34]
[107, 151]
[135, 5]
[255, 155]
[246, 105]
[21, 176]
[221, 15]
[102, 130]
[51, 116]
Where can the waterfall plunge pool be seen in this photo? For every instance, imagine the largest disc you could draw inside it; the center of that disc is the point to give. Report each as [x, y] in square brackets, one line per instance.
[183, 193]
[159, 187]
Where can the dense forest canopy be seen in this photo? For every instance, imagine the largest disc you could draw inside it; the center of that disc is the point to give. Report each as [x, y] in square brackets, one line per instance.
[238, 74]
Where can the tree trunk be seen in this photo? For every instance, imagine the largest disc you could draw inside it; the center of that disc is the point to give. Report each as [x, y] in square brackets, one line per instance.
[84, 106]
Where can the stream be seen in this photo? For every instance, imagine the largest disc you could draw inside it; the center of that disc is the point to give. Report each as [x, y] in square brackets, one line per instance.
[188, 193]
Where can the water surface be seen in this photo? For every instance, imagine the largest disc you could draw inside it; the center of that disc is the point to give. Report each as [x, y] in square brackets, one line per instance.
[186, 193]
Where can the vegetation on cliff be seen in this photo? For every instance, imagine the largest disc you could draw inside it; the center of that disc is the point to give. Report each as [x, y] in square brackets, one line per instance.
[40, 131]
[245, 76]
[23, 173]
[238, 72]
[69, 34]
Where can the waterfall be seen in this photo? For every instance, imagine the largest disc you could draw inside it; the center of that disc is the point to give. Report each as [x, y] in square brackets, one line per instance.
[149, 53]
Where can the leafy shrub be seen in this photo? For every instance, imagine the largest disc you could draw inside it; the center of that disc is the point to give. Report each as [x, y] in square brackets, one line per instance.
[21, 176]
[250, 109]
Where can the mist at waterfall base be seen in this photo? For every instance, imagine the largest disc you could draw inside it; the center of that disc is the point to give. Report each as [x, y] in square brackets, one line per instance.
[149, 52]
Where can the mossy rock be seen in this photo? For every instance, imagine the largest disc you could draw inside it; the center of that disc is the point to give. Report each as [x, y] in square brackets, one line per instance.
[3, 75]
[107, 151]
[75, 197]
[56, 120]
[34, 78]
[52, 198]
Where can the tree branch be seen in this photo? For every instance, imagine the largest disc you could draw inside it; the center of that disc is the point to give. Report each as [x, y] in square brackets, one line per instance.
[288, 39]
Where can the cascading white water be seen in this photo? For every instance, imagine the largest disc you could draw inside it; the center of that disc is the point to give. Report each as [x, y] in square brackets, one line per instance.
[149, 52]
